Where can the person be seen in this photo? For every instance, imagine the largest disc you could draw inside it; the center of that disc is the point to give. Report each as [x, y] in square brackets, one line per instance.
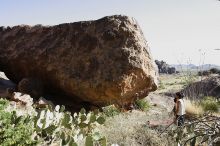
[180, 109]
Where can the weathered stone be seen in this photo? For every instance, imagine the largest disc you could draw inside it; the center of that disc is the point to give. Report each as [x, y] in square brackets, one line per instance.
[100, 62]
[206, 87]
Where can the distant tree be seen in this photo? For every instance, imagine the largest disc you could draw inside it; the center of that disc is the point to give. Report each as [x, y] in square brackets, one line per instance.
[214, 70]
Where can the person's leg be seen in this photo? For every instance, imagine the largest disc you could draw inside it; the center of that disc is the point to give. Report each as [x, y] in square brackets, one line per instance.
[183, 119]
[180, 120]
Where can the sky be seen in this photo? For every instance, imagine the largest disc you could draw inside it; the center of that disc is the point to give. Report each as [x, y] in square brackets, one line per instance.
[177, 31]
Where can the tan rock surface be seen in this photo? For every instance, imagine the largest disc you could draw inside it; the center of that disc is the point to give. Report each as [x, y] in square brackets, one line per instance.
[101, 62]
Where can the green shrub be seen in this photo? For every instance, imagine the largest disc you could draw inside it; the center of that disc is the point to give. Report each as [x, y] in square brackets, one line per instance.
[49, 126]
[3, 104]
[161, 85]
[58, 125]
[209, 104]
[142, 104]
[214, 70]
[15, 130]
[110, 111]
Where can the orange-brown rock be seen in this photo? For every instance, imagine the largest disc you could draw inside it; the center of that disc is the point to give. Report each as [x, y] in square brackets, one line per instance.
[100, 62]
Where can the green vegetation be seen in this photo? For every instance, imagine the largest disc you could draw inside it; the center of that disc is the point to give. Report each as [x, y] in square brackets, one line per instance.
[161, 85]
[60, 127]
[49, 126]
[199, 131]
[209, 72]
[209, 103]
[110, 111]
[198, 108]
[15, 130]
[189, 78]
[142, 104]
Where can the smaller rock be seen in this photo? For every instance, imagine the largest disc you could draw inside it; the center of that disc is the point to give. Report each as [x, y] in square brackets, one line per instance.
[44, 102]
[24, 98]
[206, 87]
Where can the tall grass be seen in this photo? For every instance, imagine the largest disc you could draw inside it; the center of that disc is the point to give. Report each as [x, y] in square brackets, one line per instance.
[210, 104]
[142, 104]
[193, 108]
[111, 111]
[199, 107]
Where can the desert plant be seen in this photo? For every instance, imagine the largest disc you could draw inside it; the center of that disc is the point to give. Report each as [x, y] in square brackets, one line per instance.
[204, 73]
[110, 111]
[203, 130]
[209, 104]
[161, 85]
[60, 127]
[214, 70]
[142, 104]
[15, 130]
[193, 108]
[50, 126]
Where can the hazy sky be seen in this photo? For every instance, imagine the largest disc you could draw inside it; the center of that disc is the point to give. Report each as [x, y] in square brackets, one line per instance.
[175, 29]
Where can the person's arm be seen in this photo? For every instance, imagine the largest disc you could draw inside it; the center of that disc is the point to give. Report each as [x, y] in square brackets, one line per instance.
[177, 106]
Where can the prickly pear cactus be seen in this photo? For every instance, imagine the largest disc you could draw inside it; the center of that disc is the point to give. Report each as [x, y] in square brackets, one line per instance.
[60, 126]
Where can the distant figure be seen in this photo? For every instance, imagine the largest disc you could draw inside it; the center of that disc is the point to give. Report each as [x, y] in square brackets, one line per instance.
[180, 109]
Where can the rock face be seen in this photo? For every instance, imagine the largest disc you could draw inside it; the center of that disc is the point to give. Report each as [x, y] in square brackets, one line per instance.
[101, 62]
[206, 87]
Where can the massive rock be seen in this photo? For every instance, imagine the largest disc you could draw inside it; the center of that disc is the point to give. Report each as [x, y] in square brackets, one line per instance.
[207, 87]
[101, 62]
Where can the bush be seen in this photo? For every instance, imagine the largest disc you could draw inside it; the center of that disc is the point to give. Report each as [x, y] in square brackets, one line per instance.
[204, 73]
[214, 70]
[142, 104]
[110, 111]
[59, 126]
[209, 104]
[199, 131]
[49, 126]
[161, 85]
[208, 72]
[193, 108]
[15, 130]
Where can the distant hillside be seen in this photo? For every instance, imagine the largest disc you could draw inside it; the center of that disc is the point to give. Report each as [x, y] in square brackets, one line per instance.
[180, 67]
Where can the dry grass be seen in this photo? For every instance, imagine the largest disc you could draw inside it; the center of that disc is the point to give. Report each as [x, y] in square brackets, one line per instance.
[196, 108]
[192, 108]
[130, 129]
[173, 83]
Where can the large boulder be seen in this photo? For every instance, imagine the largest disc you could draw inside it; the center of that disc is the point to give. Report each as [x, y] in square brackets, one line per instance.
[207, 87]
[101, 62]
